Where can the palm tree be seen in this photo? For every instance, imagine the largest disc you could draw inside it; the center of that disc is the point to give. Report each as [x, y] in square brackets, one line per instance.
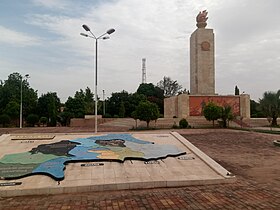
[270, 105]
[226, 115]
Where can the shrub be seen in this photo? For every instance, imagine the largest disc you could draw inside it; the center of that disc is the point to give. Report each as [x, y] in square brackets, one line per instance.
[43, 120]
[64, 118]
[32, 119]
[147, 111]
[183, 123]
[5, 119]
[107, 115]
[116, 116]
[175, 126]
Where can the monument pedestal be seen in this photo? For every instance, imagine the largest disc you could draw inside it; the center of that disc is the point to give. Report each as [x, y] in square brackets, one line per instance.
[188, 106]
[202, 62]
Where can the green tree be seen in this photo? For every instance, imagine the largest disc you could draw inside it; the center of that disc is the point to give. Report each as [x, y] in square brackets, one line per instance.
[12, 109]
[32, 119]
[255, 109]
[154, 94]
[236, 90]
[211, 112]
[53, 112]
[10, 92]
[270, 105]
[135, 117]
[147, 111]
[65, 118]
[133, 101]
[130, 102]
[86, 97]
[226, 115]
[122, 110]
[114, 102]
[78, 106]
[5, 120]
[43, 120]
[75, 106]
[49, 106]
[169, 86]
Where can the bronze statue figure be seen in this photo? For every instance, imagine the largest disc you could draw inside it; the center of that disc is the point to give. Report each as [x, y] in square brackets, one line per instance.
[201, 19]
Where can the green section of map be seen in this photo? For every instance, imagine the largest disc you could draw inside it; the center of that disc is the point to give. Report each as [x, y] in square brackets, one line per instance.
[16, 170]
[27, 158]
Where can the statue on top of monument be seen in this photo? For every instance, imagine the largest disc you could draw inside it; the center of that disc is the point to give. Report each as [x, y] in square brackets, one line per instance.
[201, 19]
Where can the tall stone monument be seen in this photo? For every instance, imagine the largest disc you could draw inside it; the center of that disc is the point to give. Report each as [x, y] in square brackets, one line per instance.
[202, 80]
[202, 58]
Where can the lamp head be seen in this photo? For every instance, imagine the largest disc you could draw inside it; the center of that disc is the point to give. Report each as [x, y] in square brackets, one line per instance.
[83, 34]
[110, 31]
[86, 27]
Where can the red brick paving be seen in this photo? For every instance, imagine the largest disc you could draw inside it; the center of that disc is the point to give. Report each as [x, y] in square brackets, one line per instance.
[239, 195]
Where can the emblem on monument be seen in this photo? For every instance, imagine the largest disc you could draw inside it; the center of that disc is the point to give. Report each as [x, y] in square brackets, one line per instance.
[201, 19]
[205, 46]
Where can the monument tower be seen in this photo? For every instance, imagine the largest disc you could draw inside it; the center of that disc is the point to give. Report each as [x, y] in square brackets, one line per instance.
[202, 58]
[202, 80]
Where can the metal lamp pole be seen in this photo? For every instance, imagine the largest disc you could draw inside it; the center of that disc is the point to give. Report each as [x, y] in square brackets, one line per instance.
[110, 31]
[20, 113]
[103, 102]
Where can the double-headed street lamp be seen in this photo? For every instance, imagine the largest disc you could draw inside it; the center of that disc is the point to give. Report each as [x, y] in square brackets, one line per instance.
[110, 31]
[20, 113]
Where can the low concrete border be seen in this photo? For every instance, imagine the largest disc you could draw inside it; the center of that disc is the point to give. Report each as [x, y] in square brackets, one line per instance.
[205, 158]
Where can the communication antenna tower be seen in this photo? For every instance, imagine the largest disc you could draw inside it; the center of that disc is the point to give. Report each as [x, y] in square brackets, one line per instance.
[143, 70]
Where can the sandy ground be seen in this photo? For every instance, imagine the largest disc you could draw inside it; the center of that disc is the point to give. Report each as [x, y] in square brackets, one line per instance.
[248, 155]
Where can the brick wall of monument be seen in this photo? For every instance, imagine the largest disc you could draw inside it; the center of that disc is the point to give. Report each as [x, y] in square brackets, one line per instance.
[196, 103]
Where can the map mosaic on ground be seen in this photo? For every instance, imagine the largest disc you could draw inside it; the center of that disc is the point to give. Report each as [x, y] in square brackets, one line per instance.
[50, 159]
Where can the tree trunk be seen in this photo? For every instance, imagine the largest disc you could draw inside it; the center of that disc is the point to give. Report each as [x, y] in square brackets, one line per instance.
[224, 123]
[213, 123]
[148, 122]
[274, 121]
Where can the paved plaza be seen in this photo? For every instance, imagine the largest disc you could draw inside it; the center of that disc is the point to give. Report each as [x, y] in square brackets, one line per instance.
[252, 157]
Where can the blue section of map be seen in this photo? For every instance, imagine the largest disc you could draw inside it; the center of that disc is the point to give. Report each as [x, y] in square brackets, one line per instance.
[54, 167]
[86, 142]
[154, 151]
[125, 137]
[82, 153]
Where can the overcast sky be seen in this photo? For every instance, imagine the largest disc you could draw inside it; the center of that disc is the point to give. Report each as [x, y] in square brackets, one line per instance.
[41, 38]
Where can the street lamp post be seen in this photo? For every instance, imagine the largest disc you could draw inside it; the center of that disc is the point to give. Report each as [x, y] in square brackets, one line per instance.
[110, 31]
[20, 113]
[103, 102]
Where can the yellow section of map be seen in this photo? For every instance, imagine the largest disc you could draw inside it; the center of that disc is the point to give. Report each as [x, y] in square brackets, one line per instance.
[118, 153]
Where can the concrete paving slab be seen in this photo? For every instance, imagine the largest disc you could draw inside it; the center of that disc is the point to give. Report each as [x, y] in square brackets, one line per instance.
[192, 168]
